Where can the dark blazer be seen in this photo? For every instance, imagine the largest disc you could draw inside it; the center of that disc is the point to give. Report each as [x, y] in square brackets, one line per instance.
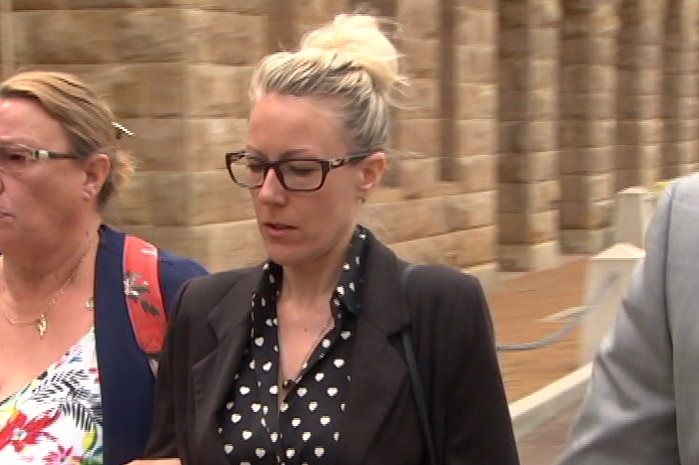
[454, 346]
[127, 383]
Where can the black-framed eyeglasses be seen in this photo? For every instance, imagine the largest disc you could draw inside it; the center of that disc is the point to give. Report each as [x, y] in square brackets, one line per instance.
[294, 174]
[15, 158]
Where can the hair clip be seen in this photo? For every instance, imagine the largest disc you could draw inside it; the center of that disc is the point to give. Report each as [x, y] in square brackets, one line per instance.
[122, 130]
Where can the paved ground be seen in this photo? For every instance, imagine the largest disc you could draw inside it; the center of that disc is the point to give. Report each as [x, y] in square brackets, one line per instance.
[518, 307]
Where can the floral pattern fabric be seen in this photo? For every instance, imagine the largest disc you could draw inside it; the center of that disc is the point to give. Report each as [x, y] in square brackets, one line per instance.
[57, 418]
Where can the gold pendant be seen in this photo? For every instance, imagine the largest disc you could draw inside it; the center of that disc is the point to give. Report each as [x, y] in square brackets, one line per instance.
[41, 326]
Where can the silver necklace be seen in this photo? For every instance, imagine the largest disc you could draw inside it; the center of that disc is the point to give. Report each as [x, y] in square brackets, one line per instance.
[287, 383]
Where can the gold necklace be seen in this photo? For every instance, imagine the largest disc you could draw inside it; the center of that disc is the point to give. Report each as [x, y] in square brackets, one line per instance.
[40, 322]
[287, 383]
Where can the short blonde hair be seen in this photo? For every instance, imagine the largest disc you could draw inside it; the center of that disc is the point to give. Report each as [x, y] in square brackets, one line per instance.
[86, 118]
[349, 59]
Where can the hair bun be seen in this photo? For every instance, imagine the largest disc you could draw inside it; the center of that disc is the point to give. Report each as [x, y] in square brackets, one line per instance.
[358, 39]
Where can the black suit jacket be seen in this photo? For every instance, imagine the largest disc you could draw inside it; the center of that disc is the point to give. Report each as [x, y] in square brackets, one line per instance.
[454, 346]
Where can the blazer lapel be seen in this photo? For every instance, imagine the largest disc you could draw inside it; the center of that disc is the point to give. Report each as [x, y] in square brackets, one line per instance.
[212, 376]
[379, 372]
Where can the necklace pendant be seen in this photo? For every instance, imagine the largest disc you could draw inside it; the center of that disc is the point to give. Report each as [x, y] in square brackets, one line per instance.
[41, 326]
[286, 384]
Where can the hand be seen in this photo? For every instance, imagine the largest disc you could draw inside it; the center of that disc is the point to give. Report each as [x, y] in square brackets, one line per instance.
[156, 462]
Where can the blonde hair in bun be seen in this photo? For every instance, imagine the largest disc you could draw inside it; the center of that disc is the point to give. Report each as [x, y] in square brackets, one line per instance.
[349, 59]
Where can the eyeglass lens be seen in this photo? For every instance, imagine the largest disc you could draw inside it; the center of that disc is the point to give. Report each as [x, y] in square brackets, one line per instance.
[295, 174]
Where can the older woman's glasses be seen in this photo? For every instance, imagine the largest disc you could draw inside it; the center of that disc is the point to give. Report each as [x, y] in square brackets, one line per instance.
[294, 174]
[15, 158]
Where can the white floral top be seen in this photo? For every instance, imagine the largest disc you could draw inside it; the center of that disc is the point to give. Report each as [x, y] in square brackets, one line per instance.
[57, 418]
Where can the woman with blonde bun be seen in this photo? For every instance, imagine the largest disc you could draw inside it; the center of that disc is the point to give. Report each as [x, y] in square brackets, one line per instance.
[307, 358]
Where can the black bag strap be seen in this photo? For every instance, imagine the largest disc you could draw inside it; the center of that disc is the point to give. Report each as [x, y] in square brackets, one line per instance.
[418, 391]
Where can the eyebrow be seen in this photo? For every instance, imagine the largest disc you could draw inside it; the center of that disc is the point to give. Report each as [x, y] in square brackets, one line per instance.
[289, 154]
[20, 141]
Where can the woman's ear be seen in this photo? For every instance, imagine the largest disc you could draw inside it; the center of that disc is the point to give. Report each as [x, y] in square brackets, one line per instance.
[372, 169]
[97, 169]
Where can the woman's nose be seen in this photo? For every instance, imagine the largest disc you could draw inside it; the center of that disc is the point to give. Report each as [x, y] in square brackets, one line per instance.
[272, 187]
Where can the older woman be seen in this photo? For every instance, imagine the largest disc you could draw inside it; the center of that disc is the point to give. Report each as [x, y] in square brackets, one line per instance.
[75, 386]
[303, 360]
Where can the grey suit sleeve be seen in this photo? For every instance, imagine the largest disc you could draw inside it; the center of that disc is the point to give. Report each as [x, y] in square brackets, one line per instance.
[629, 413]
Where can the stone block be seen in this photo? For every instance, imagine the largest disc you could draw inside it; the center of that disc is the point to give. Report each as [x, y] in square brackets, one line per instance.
[587, 133]
[472, 210]
[248, 7]
[422, 57]
[542, 74]
[85, 37]
[544, 13]
[458, 249]
[476, 63]
[604, 50]
[529, 257]
[479, 101]
[637, 177]
[587, 187]
[577, 78]
[475, 137]
[528, 228]
[528, 197]
[470, 247]
[424, 95]
[586, 214]
[602, 132]
[583, 105]
[183, 199]
[395, 221]
[680, 86]
[419, 18]
[418, 136]
[601, 105]
[176, 239]
[475, 27]
[149, 35]
[542, 105]
[513, 42]
[224, 38]
[218, 246]
[476, 173]
[591, 160]
[686, 152]
[513, 15]
[218, 91]
[528, 167]
[513, 73]
[544, 43]
[230, 245]
[638, 156]
[634, 56]
[536, 136]
[416, 176]
[583, 241]
[209, 139]
[142, 90]
[133, 205]
[156, 137]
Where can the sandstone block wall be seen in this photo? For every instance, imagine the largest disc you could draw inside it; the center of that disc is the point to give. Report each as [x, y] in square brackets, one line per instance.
[525, 116]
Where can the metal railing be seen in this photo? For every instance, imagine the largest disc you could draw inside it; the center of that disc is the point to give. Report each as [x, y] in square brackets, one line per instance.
[573, 321]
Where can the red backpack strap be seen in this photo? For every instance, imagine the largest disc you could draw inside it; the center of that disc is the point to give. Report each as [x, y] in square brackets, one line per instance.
[143, 298]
